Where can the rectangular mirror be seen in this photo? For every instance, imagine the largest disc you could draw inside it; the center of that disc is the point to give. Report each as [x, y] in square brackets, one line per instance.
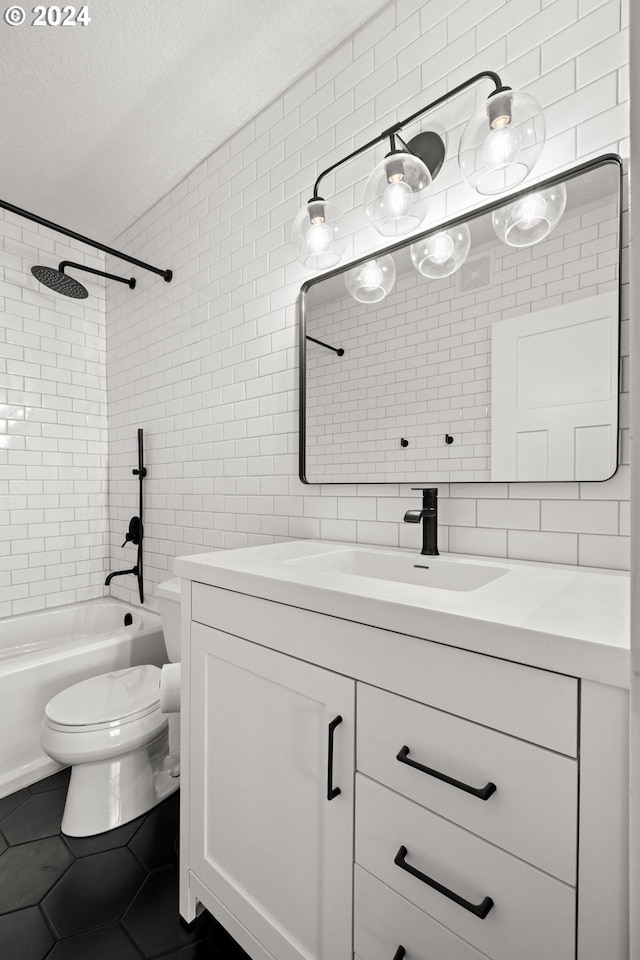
[485, 350]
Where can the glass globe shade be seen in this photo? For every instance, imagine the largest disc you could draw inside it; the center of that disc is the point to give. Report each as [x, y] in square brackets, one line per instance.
[395, 194]
[531, 218]
[502, 142]
[316, 235]
[441, 254]
[371, 281]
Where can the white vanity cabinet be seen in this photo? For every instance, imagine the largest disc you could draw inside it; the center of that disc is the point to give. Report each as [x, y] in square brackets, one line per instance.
[271, 774]
[482, 811]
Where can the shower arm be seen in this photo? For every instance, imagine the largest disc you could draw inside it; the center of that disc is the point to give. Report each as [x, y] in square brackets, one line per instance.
[98, 273]
[11, 208]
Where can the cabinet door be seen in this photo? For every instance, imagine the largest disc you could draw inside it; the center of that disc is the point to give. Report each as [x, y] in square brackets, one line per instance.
[265, 838]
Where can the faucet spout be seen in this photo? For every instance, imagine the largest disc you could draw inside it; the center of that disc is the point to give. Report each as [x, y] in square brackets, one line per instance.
[428, 517]
[120, 573]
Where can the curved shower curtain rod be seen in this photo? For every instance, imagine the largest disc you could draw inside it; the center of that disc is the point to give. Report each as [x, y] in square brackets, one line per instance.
[4, 205]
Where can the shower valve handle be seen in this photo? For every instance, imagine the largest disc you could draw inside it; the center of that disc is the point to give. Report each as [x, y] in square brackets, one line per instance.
[134, 533]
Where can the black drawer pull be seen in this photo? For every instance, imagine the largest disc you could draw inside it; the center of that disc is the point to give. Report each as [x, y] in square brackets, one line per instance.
[331, 790]
[482, 792]
[478, 909]
[400, 952]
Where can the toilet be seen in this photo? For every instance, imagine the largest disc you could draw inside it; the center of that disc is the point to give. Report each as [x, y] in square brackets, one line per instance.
[110, 730]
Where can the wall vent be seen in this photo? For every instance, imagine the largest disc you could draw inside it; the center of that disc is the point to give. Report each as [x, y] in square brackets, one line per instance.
[474, 274]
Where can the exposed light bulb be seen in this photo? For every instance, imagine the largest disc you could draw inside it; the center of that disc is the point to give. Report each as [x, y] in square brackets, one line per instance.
[371, 281]
[439, 247]
[316, 234]
[530, 210]
[319, 237]
[441, 254]
[501, 147]
[531, 218]
[397, 199]
[370, 276]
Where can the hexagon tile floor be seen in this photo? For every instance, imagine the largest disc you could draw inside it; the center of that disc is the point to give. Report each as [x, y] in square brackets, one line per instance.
[110, 897]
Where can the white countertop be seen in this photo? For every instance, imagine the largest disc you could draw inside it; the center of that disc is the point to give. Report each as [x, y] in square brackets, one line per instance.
[572, 620]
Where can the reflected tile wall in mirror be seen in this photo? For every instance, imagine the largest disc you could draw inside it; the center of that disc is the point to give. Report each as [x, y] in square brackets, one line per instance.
[505, 370]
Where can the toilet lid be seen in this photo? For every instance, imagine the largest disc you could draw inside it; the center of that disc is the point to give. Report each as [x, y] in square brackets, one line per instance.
[111, 698]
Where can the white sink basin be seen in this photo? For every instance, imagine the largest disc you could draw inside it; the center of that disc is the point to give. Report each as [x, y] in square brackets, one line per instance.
[401, 568]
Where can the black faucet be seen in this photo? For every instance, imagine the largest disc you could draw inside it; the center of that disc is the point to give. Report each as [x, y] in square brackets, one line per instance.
[428, 516]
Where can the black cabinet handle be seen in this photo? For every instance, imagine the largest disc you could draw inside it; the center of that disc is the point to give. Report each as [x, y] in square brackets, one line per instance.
[331, 790]
[482, 792]
[400, 953]
[477, 909]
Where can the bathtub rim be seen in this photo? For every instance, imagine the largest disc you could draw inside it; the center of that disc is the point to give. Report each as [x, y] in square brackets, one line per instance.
[149, 622]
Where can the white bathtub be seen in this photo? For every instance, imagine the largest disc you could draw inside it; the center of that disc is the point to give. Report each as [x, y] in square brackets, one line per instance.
[42, 653]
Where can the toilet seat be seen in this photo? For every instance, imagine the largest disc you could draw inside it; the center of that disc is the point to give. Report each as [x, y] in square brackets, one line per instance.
[105, 717]
[107, 701]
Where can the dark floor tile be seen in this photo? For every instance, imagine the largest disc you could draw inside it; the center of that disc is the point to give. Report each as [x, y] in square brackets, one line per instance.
[225, 946]
[94, 892]
[7, 804]
[38, 816]
[56, 907]
[55, 782]
[108, 943]
[153, 921]
[24, 935]
[200, 951]
[110, 840]
[28, 871]
[154, 843]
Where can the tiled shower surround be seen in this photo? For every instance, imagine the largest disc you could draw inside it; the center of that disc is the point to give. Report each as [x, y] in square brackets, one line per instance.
[53, 427]
[208, 364]
[419, 363]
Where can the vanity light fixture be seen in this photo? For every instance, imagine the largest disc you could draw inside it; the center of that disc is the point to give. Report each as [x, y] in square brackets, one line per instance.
[316, 235]
[441, 254]
[498, 149]
[371, 281]
[501, 143]
[531, 218]
[395, 194]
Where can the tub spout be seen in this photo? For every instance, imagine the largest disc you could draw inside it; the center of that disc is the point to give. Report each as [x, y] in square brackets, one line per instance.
[120, 573]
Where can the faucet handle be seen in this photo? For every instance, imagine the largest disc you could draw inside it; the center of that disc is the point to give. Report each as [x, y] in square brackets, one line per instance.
[427, 489]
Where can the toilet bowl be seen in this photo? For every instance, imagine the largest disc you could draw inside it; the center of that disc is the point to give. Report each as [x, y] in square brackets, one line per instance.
[112, 733]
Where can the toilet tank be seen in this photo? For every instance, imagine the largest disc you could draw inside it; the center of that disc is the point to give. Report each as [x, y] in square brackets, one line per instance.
[169, 599]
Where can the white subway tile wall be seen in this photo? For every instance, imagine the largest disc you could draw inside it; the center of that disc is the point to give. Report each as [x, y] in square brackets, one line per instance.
[208, 364]
[53, 427]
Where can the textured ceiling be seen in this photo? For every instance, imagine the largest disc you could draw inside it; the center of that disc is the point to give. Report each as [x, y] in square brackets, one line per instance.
[99, 122]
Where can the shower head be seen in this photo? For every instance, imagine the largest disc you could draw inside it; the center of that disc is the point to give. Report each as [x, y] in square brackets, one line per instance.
[59, 281]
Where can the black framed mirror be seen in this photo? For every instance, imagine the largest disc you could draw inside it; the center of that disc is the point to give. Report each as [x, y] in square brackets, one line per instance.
[486, 349]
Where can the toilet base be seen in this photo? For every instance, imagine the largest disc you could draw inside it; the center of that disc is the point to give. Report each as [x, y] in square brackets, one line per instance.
[105, 794]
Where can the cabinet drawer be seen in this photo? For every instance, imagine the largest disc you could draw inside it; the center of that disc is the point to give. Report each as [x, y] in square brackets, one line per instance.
[533, 914]
[532, 704]
[533, 811]
[384, 921]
